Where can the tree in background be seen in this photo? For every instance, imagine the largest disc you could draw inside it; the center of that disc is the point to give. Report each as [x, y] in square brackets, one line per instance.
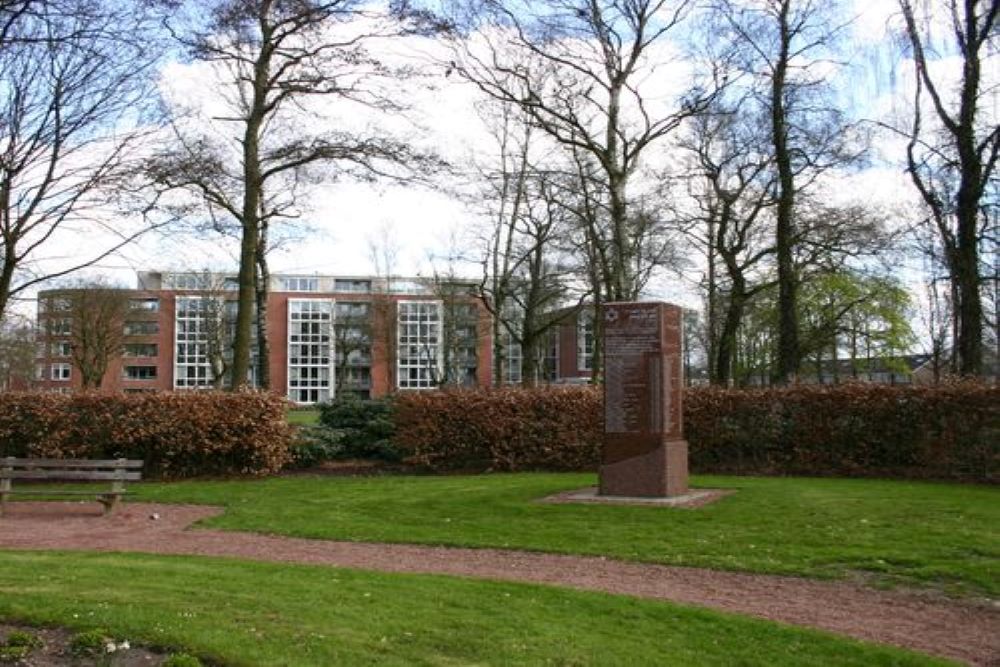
[96, 326]
[273, 59]
[527, 267]
[784, 48]
[576, 69]
[847, 314]
[76, 79]
[17, 353]
[731, 180]
[952, 156]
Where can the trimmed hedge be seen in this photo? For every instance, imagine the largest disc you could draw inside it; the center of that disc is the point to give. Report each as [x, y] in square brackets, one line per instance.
[550, 428]
[933, 432]
[176, 434]
[949, 431]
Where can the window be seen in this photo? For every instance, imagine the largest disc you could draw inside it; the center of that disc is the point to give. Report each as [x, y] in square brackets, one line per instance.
[62, 348]
[140, 350]
[61, 326]
[192, 367]
[139, 373]
[419, 348]
[356, 378]
[187, 281]
[356, 357]
[406, 287]
[299, 284]
[351, 285]
[61, 372]
[512, 353]
[585, 341]
[142, 328]
[355, 310]
[151, 305]
[310, 350]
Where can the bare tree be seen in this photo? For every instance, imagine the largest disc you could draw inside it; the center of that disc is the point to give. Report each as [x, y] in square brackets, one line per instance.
[76, 80]
[952, 159]
[17, 353]
[526, 269]
[732, 184]
[272, 57]
[780, 46]
[96, 313]
[576, 68]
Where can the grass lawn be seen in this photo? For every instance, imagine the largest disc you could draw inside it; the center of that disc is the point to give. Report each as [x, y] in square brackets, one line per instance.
[300, 417]
[244, 613]
[941, 535]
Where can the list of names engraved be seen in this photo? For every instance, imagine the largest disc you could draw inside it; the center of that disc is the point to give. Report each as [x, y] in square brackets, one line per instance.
[633, 373]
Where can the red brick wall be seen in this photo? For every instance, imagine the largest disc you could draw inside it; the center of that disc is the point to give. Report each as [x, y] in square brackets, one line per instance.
[383, 371]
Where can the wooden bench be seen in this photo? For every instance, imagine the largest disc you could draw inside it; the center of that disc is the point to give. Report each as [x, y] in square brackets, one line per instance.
[116, 471]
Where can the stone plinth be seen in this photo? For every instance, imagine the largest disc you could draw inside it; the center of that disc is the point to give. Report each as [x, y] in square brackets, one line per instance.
[644, 452]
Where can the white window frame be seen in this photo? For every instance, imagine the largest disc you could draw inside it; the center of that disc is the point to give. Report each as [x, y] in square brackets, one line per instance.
[299, 284]
[310, 379]
[61, 372]
[584, 355]
[430, 361]
[198, 361]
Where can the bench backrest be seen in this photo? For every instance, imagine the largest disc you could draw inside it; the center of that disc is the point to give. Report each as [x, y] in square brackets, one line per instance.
[70, 469]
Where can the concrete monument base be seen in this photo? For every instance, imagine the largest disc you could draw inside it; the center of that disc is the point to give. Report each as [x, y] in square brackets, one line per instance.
[660, 473]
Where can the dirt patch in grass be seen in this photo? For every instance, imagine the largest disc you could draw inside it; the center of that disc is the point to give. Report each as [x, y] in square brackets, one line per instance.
[964, 630]
[54, 649]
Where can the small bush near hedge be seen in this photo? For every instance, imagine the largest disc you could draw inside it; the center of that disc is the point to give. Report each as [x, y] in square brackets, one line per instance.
[942, 432]
[176, 434]
[363, 429]
[552, 428]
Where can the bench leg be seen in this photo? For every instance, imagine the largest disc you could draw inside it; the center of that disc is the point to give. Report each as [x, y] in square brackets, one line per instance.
[110, 502]
[3, 502]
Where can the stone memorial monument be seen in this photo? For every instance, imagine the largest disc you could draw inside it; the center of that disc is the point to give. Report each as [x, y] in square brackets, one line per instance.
[645, 454]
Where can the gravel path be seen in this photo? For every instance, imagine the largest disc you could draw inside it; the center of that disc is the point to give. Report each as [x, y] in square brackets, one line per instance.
[964, 631]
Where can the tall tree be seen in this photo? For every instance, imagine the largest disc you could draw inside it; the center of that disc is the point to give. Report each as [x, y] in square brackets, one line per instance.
[785, 49]
[271, 59]
[731, 181]
[580, 70]
[952, 159]
[76, 82]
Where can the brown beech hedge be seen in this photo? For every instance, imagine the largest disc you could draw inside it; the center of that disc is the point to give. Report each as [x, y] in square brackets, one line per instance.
[936, 432]
[176, 434]
[548, 428]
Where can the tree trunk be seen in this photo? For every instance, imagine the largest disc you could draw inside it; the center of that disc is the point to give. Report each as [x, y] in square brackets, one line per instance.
[788, 352]
[6, 271]
[250, 220]
[726, 348]
[261, 291]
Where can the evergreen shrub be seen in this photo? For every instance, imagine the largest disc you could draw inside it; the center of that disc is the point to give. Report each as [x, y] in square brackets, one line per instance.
[360, 429]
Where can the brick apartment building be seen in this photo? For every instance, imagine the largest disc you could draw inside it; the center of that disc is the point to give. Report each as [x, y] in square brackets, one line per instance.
[327, 335]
